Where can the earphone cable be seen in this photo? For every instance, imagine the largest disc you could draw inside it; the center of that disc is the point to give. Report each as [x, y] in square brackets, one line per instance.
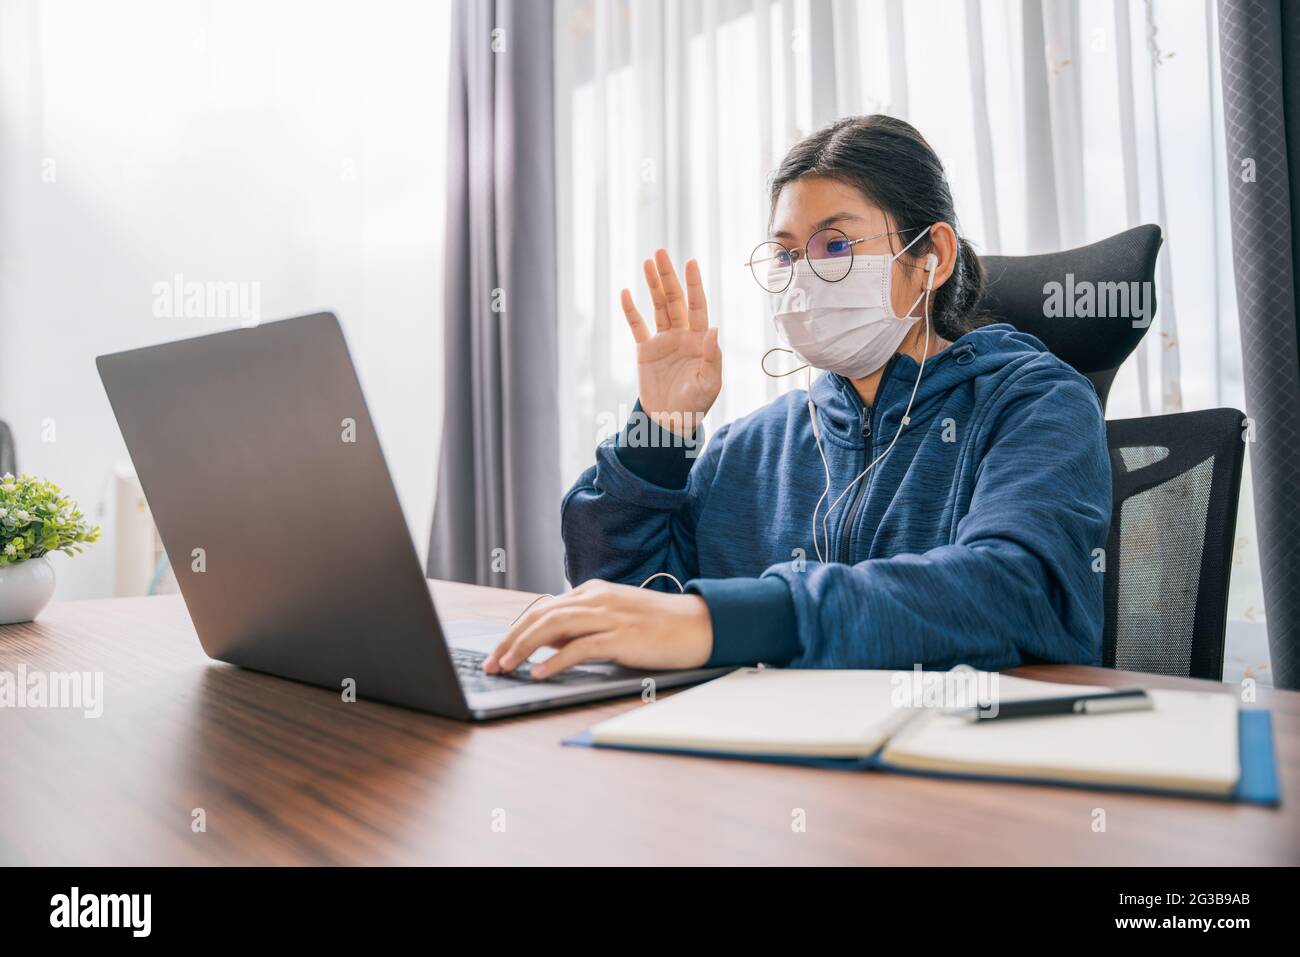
[925, 314]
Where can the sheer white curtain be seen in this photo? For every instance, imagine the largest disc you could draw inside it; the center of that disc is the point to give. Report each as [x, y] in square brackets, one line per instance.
[295, 146]
[1060, 122]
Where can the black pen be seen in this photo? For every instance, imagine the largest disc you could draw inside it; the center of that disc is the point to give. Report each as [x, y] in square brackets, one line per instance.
[1101, 702]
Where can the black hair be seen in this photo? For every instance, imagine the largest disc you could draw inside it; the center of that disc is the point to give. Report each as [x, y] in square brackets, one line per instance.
[895, 168]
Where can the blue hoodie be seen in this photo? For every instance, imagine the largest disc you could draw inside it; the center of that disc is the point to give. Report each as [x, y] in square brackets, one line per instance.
[977, 540]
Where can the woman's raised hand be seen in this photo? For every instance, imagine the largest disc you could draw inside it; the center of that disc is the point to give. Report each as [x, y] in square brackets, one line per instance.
[679, 365]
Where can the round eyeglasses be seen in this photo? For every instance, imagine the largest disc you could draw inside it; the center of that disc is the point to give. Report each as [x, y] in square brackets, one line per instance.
[829, 254]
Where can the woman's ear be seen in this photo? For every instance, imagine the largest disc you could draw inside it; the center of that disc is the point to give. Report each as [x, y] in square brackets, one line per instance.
[943, 243]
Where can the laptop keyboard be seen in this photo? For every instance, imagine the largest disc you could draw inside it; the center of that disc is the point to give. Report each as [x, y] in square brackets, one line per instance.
[469, 668]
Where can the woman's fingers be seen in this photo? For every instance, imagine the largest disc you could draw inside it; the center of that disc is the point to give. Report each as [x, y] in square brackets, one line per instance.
[640, 332]
[530, 616]
[657, 296]
[557, 625]
[591, 648]
[699, 308]
[673, 293]
[525, 620]
[675, 307]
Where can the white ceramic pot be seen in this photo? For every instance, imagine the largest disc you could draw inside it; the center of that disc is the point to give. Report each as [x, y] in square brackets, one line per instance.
[25, 589]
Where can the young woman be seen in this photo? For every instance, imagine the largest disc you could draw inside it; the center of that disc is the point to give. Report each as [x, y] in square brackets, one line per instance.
[939, 495]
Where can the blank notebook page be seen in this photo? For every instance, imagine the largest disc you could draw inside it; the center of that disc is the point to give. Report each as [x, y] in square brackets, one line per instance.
[1188, 741]
[772, 711]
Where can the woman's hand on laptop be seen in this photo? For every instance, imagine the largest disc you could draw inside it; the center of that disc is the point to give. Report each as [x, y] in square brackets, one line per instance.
[600, 621]
[679, 366]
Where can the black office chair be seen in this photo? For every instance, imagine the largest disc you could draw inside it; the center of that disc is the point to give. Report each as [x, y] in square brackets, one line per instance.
[1175, 478]
[8, 458]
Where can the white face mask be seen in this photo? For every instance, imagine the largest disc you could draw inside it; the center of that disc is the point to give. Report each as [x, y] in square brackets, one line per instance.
[847, 327]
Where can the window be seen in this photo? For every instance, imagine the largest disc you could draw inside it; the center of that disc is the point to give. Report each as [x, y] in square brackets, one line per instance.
[296, 149]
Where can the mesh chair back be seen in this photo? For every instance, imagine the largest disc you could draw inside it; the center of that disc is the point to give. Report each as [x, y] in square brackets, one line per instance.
[1175, 481]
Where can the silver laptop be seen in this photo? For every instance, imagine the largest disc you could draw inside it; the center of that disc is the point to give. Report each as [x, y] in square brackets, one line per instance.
[270, 491]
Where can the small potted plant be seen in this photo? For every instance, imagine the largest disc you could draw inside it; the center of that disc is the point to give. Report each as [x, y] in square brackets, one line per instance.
[35, 519]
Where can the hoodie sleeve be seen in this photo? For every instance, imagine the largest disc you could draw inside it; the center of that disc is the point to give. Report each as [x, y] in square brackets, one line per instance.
[1022, 579]
[633, 513]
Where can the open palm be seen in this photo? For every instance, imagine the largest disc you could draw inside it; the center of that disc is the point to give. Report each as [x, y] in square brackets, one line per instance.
[679, 366]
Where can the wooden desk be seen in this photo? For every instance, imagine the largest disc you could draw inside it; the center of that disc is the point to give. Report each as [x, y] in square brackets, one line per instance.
[289, 774]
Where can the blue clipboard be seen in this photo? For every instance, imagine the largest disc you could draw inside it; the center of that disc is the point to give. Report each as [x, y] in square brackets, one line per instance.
[1258, 783]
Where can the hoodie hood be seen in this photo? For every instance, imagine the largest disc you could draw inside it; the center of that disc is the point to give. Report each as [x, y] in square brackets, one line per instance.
[991, 349]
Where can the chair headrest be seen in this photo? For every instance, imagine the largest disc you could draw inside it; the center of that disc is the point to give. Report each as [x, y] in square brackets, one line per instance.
[1090, 306]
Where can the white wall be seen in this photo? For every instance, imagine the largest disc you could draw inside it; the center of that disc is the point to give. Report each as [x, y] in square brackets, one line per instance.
[295, 145]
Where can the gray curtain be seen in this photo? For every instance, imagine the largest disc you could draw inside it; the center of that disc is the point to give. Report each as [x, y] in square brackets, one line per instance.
[8, 459]
[497, 514]
[1260, 57]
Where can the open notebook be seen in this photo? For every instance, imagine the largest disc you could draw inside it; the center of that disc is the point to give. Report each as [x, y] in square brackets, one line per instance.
[1191, 742]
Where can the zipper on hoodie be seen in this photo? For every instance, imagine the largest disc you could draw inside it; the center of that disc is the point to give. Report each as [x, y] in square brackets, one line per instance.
[869, 448]
[964, 354]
